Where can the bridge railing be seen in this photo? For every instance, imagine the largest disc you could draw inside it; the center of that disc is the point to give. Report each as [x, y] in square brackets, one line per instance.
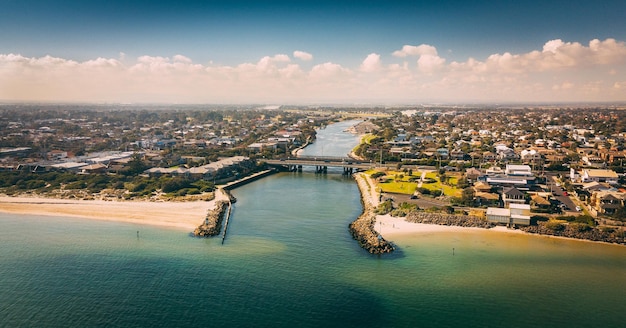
[322, 158]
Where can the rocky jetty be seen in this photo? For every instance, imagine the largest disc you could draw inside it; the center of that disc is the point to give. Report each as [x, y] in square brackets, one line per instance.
[573, 231]
[362, 229]
[449, 220]
[212, 224]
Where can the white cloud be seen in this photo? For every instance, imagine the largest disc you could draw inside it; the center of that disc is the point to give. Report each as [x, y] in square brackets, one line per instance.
[430, 63]
[304, 56]
[552, 46]
[182, 59]
[422, 49]
[327, 70]
[558, 71]
[371, 63]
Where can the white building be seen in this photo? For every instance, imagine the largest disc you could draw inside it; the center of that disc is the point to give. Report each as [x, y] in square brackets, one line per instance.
[516, 214]
[518, 170]
[597, 175]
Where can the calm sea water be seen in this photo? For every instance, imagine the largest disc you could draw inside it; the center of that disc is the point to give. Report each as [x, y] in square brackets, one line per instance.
[289, 261]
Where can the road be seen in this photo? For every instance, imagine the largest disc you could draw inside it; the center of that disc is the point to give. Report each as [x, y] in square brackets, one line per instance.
[558, 194]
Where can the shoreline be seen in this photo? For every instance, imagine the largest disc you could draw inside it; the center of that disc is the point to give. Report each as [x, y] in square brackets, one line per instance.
[171, 214]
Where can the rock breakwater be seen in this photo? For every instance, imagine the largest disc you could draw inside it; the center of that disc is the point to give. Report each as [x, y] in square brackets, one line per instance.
[572, 231]
[449, 220]
[212, 224]
[362, 229]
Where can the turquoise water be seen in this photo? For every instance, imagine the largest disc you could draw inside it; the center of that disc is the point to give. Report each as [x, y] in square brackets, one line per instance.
[289, 260]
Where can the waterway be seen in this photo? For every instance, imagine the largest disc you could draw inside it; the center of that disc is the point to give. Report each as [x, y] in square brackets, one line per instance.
[289, 261]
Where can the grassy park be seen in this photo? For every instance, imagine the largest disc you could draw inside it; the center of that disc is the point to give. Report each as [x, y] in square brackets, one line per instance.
[400, 182]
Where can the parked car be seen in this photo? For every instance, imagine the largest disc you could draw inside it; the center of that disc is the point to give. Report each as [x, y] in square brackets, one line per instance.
[578, 208]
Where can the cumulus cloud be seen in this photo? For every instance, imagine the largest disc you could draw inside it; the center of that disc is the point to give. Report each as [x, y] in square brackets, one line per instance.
[304, 56]
[422, 49]
[371, 63]
[557, 71]
[430, 63]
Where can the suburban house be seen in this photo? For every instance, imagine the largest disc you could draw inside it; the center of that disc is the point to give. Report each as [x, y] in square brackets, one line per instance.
[219, 171]
[516, 214]
[519, 176]
[597, 175]
[518, 170]
[607, 202]
[511, 196]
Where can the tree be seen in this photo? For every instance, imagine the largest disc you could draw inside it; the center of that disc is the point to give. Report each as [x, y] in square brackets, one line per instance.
[467, 196]
[135, 165]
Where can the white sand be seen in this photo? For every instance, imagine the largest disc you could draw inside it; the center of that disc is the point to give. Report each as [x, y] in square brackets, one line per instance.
[389, 227]
[180, 215]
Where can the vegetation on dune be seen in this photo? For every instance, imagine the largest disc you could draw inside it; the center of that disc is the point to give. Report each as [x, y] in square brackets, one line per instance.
[120, 186]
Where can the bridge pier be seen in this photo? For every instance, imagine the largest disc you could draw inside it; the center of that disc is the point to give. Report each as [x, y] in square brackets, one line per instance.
[321, 169]
[347, 171]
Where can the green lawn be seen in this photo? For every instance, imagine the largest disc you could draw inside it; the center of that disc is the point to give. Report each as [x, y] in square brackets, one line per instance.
[396, 184]
[448, 190]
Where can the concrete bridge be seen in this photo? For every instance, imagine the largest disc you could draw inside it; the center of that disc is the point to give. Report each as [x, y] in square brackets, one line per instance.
[322, 163]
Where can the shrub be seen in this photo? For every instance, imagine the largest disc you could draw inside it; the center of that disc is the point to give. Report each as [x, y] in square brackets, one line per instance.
[384, 207]
[607, 229]
[555, 225]
[580, 227]
[76, 185]
[174, 184]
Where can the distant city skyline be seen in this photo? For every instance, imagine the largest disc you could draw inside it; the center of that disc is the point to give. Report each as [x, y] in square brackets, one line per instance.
[304, 52]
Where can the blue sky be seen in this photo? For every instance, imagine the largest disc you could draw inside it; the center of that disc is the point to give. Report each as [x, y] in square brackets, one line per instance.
[341, 34]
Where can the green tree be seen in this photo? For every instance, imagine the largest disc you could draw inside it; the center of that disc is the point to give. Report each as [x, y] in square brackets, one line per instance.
[467, 196]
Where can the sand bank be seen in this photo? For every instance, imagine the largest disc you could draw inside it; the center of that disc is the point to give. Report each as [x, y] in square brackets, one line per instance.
[180, 215]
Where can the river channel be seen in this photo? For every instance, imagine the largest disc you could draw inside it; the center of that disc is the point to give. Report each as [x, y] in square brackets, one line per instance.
[289, 261]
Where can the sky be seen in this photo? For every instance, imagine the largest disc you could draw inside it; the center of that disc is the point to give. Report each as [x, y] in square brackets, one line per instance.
[312, 52]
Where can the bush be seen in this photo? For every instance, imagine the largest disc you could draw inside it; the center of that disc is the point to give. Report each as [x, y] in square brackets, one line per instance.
[35, 184]
[538, 218]
[384, 207]
[174, 184]
[607, 229]
[580, 227]
[555, 225]
[135, 187]
[377, 175]
[76, 185]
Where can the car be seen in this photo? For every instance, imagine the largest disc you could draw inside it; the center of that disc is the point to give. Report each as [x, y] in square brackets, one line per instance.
[565, 193]
[578, 208]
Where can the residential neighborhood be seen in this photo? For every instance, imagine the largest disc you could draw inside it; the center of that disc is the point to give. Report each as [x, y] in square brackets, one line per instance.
[517, 165]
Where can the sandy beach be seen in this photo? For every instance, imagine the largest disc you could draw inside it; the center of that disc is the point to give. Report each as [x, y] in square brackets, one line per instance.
[180, 215]
[390, 227]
